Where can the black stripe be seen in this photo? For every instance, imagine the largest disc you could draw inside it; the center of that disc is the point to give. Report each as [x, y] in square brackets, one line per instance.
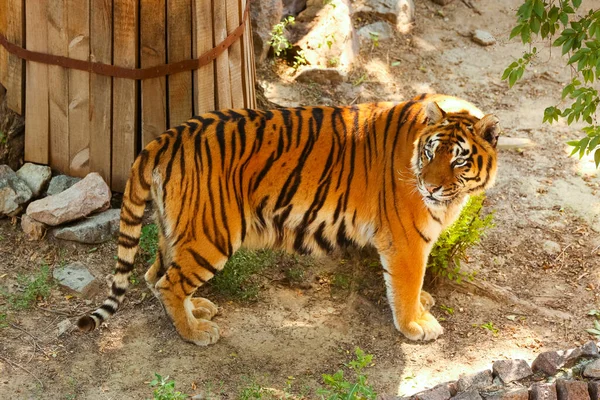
[143, 161]
[436, 219]
[128, 266]
[321, 240]
[127, 241]
[260, 210]
[342, 239]
[203, 262]
[117, 291]
[110, 309]
[425, 238]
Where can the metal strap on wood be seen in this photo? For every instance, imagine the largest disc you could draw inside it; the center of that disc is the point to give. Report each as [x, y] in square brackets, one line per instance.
[129, 73]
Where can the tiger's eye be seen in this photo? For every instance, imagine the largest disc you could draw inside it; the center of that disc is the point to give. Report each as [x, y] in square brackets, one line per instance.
[428, 154]
[459, 162]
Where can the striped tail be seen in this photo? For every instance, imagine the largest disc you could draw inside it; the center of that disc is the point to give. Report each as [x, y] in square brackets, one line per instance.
[137, 192]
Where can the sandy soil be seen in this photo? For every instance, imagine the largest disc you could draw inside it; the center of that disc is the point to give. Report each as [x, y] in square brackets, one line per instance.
[295, 333]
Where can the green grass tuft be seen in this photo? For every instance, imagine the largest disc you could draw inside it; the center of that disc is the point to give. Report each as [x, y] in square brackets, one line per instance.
[31, 288]
[149, 243]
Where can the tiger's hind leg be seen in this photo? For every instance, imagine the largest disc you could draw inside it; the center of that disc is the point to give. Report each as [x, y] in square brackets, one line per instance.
[158, 268]
[188, 271]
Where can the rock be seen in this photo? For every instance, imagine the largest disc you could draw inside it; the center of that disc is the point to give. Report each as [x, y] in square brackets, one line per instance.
[33, 229]
[293, 7]
[323, 76]
[12, 126]
[440, 392]
[89, 195]
[508, 394]
[74, 276]
[548, 362]
[442, 2]
[551, 248]
[401, 13]
[571, 356]
[98, 228]
[477, 381]
[511, 370]
[264, 15]
[483, 38]
[572, 390]
[594, 389]
[378, 31]
[592, 370]
[470, 394]
[63, 327]
[543, 391]
[61, 183]
[35, 176]
[14, 193]
[590, 349]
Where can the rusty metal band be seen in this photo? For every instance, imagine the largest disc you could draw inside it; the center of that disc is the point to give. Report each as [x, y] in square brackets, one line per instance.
[129, 73]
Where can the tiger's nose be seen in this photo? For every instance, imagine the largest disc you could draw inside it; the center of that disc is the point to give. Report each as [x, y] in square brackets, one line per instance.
[431, 188]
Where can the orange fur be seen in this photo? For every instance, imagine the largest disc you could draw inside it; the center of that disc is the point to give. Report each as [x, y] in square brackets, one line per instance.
[310, 180]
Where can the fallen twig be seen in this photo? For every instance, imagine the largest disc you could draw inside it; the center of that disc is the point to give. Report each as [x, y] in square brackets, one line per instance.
[23, 368]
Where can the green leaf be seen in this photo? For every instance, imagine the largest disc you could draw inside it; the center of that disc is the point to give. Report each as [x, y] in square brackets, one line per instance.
[564, 18]
[538, 8]
[567, 46]
[535, 25]
[553, 14]
[515, 31]
[512, 78]
[506, 73]
[526, 34]
[597, 157]
[545, 29]
[576, 3]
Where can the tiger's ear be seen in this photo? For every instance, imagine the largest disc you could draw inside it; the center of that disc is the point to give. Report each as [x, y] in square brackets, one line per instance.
[488, 127]
[433, 113]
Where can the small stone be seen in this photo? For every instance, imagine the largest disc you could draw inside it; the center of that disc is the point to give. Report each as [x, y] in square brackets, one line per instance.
[74, 276]
[61, 183]
[376, 32]
[592, 370]
[483, 38]
[89, 195]
[590, 349]
[35, 176]
[543, 391]
[480, 380]
[98, 228]
[548, 362]
[14, 193]
[511, 370]
[509, 394]
[324, 76]
[33, 229]
[470, 394]
[63, 327]
[550, 247]
[440, 392]
[572, 390]
[594, 389]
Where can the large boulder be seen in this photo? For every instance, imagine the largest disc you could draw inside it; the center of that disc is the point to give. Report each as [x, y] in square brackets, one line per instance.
[98, 228]
[87, 196]
[35, 176]
[14, 193]
[264, 15]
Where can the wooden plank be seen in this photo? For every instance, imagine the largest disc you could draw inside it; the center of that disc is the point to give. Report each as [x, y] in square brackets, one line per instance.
[179, 47]
[125, 39]
[153, 52]
[14, 94]
[36, 89]
[58, 87]
[101, 89]
[204, 82]
[78, 31]
[250, 66]
[235, 54]
[3, 52]
[222, 62]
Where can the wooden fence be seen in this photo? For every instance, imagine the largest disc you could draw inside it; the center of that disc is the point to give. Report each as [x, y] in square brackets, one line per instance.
[79, 121]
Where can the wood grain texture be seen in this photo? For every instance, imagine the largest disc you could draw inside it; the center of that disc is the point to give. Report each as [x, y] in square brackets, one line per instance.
[203, 78]
[58, 87]
[125, 39]
[153, 52]
[179, 47]
[15, 23]
[78, 31]
[222, 62]
[250, 67]
[36, 89]
[235, 54]
[101, 89]
[3, 52]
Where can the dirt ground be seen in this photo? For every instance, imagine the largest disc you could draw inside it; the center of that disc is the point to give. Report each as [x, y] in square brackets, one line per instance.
[536, 294]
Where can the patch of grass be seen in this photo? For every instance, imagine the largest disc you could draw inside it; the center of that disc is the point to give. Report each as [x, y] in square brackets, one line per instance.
[451, 247]
[447, 310]
[31, 288]
[235, 280]
[341, 281]
[3, 320]
[279, 42]
[165, 389]
[149, 243]
[490, 327]
[595, 331]
[252, 391]
[339, 387]
[294, 274]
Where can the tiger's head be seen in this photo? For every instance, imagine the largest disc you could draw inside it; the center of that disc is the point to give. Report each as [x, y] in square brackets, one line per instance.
[455, 155]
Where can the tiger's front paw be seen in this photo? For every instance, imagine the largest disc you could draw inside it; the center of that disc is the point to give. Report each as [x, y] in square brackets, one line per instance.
[427, 300]
[203, 308]
[201, 333]
[426, 327]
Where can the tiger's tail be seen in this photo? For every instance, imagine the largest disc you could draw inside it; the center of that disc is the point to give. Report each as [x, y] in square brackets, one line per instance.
[137, 192]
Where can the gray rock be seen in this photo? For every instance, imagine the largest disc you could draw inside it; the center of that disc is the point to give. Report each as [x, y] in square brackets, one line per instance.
[293, 7]
[98, 228]
[551, 248]
[33, 229]
[14, 193]
[483, 38]
[74, 276]
[323, 76]
[592, 370]
[89, 195]
[507, 394]
[543, 391]
[399, 12]
[590, 349]
[441, 392]
[35, 176]
[571, 356]
[470, 394]
[594, 389]
[264, 15]
[480, 380]
[572, 390]
[63, 327]
[511, 370]
[61, 183]
[379, 31]
[548, 362]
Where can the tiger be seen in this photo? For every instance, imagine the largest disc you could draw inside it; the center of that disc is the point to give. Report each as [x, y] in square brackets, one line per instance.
[309, 180]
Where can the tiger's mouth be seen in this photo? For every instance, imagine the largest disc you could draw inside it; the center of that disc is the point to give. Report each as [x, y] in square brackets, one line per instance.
[434, 199]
